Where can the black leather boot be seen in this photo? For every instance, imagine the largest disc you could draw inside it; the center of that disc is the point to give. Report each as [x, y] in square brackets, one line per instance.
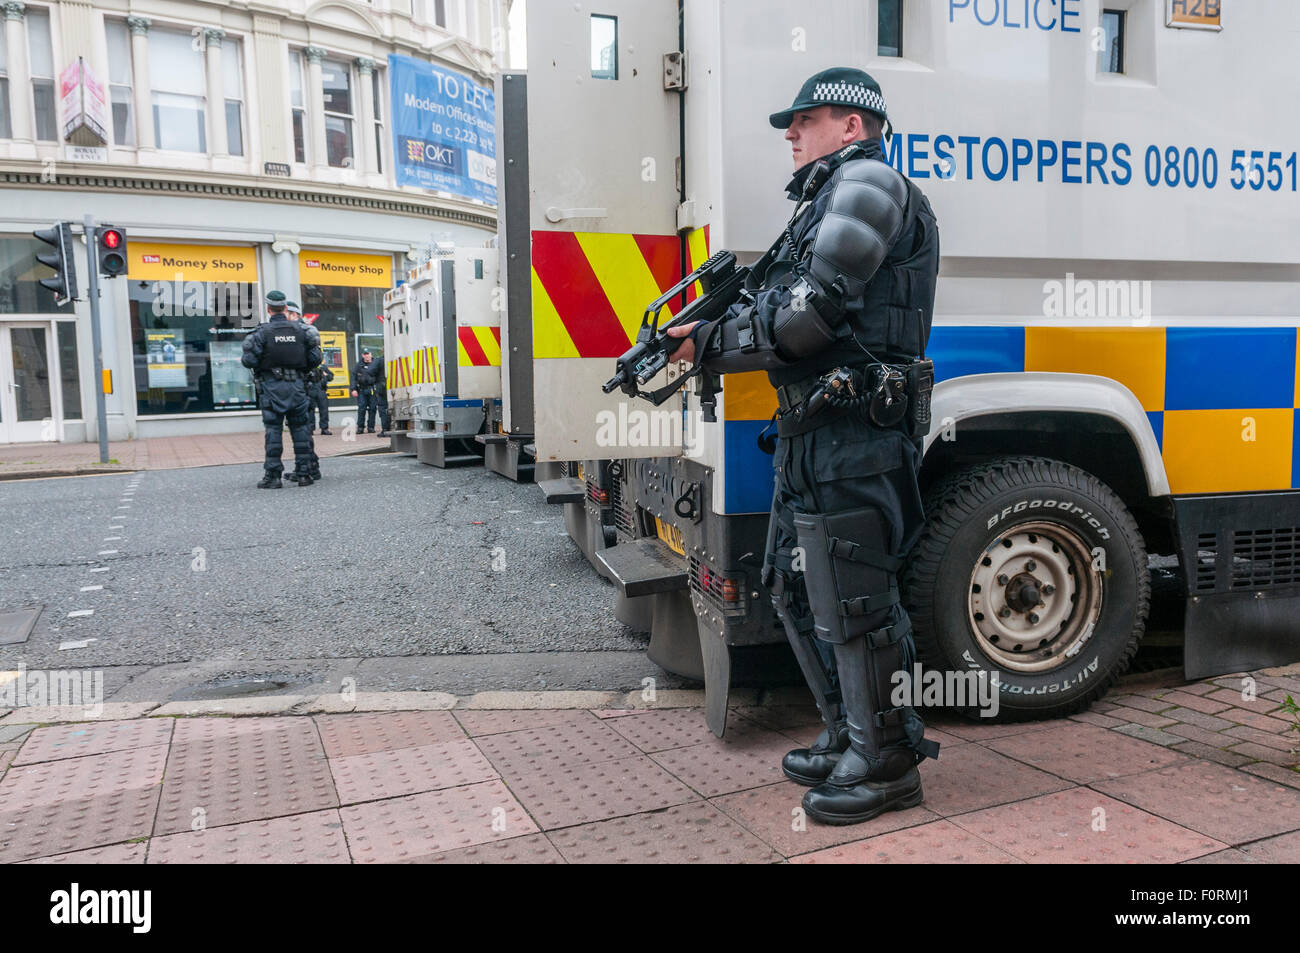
[302, 479]
[857, 790]
[812, 766]
[270, 481]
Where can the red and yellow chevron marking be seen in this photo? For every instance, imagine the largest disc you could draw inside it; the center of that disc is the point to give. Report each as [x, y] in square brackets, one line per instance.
[590, 289]
[478, 345]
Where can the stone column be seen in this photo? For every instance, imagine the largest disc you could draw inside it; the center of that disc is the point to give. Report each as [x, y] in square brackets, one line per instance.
[140, 84]
[316, 103]
[366, 117]
[217, 144]
[20, 77]
[286, 268]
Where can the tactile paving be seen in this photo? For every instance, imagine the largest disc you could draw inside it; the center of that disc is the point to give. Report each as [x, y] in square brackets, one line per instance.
[346, 735]
[775, 813]
[494, 722]
[1223, 803]
[529, 849]
[379, 774]
[559, 794]
[1084, 753]
[247, 770]
[1084, 826]
[782, 717]
[981, 730]
[571, 744]
[116, 854]
[82, 738]
[653, 731]
[412, 827]
[77, 803]
[314, 838]
[695, 833]
[743, 759]
[940, 842]
[970, 777]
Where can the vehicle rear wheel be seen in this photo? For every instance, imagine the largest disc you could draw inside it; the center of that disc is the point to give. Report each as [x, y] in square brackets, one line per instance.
[1034, 571]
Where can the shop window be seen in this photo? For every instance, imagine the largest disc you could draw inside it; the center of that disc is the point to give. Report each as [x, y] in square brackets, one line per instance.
[336, 79]
[119, 82]
[347, 319]
[69, 370]
[232, 66]
[40, 52]
[188, 337]
[604, 47]
[20, 290]
[179, 78]
[1112, 54]
[889, 28]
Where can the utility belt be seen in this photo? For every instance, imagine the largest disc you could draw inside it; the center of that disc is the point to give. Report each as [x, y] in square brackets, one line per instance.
[890, 396]
[285, 373]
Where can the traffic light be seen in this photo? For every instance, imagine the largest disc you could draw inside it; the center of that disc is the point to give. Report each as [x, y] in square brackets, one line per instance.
[110, 246]
[64, 282]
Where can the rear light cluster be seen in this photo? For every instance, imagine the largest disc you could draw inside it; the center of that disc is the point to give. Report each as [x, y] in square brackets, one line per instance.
[597, 495]
[727, 592]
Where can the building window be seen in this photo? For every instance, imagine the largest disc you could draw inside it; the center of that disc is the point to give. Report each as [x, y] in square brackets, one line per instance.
[119, 82]
[604, 47]
[298, 105]
[889, 28]
[336, 78]
[439, 10]
[232, 66]
[69, 371]
[379, 120]
[6, 132]
[20, 288]
[40, 52]
[179, 79]
[1112, 55]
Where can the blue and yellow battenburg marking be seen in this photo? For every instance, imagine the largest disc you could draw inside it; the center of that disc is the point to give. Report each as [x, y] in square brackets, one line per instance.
[1224, 403]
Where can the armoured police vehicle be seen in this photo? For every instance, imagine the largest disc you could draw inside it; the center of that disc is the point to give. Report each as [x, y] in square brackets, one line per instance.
[1114, 340]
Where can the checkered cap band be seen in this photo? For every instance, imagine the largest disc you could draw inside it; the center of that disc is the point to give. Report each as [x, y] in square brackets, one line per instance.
[851, 93]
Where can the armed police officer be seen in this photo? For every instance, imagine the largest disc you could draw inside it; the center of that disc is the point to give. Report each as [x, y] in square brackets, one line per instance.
[838, 313]
[371, 392]
[281, 353]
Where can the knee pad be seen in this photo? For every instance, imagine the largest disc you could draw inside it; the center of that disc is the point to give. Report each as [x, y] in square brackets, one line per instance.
[848, 571]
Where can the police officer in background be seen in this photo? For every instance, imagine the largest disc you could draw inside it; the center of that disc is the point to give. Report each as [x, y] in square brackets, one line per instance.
[280, 353]
[841, 305]
[317, 381]
[371, 389]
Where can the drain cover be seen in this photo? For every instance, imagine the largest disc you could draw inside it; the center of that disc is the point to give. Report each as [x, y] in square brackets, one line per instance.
[16, 626]
[242, 686]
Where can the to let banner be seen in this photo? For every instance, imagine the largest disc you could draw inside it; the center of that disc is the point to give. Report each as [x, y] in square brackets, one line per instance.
[443, 130]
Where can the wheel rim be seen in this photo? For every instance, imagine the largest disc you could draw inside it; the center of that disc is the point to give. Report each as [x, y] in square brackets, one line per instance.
[1034, 597]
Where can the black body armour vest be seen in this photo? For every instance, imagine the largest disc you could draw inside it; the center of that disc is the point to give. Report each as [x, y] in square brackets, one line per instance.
[891, 317]
[285, 346]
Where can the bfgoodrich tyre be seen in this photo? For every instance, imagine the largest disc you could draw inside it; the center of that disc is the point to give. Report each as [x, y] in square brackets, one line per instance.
[1033, 570]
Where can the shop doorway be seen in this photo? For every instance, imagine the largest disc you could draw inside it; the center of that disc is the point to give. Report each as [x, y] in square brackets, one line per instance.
[27, 394]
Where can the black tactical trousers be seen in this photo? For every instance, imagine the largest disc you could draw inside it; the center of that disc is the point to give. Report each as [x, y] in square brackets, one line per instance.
[283, 400]
[317, 400]
[850, 488]
[368, 400]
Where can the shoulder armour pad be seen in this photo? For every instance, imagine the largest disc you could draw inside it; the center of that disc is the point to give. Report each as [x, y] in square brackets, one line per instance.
[863, 220]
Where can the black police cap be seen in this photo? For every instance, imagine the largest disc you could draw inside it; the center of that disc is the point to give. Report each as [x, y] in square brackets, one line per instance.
[838, 86]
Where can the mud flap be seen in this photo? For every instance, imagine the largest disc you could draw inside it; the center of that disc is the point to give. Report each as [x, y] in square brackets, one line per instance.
[717, 674]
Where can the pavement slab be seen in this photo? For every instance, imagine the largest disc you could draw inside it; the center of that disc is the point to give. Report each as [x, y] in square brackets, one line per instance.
[939, 842]
[970, 777]
[345, 735]
[115, 854]
[312, 838]
[745, 758]
[774, 813]
[529, 849]
[229, 770]
[677, 728]
[1084, 826]
[970, 730]
[478, 723]
[61, 806]
[412, 828]
[696, 833]
[382, 774]
[586, 742]
[1221, 802]
[1084, 753]
[83, 738]
[558, 794]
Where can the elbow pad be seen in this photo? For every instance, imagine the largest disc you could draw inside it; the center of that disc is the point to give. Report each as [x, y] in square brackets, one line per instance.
[782, 327]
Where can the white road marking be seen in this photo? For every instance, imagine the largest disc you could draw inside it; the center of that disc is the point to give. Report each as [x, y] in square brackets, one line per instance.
[111, 539]
[78, 613]
[64, 646]
[117, 527]
[100, 569]
[90, 588]
[106, 552]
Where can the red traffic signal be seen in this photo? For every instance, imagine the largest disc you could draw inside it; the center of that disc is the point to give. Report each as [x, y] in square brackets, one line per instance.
[110, 248]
